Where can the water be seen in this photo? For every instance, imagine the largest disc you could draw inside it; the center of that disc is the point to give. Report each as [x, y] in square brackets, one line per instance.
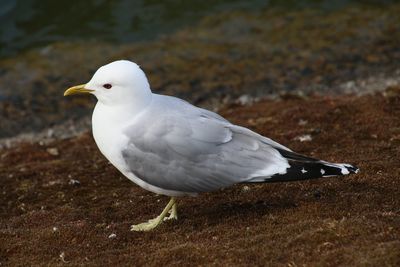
[30, 23]
[33, 23]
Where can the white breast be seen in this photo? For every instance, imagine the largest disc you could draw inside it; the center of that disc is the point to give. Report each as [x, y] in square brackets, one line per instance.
[107, 132]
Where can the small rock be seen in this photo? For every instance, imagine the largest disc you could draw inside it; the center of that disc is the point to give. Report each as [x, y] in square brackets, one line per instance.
[303, 138]
[52, 151]
[245, 100]
[245, 189]
[55, 229]
[112, 236]
[74, 182]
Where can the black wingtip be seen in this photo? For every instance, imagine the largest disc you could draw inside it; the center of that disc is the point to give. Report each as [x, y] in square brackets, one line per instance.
[352, 169]
[312, 170]
[306, 168]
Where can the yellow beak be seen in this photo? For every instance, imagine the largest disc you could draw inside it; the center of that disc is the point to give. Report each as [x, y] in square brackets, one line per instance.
[79, 89]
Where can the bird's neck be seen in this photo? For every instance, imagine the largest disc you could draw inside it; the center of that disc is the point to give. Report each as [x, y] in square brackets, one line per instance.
[122, 113]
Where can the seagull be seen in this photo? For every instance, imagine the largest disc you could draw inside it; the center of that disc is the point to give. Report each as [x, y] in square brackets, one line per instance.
[170, 147]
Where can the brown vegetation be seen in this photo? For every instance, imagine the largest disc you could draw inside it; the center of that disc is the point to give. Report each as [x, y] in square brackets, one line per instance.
[63, 204]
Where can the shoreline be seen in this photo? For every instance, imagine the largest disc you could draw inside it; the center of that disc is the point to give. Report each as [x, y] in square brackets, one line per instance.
[72, 128]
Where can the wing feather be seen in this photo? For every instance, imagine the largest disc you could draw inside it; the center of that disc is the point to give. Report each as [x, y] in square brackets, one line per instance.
[184, 148]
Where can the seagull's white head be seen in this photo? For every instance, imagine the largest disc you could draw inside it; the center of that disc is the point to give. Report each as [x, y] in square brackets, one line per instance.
[121, 82]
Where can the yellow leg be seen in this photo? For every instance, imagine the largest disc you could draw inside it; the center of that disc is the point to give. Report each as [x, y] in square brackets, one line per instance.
[153, 223]
[173, 213]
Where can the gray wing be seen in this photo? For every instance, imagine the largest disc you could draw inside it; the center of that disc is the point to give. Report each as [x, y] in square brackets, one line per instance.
[184, 148]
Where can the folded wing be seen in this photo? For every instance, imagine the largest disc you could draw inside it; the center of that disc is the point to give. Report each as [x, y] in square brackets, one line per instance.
[184, 148]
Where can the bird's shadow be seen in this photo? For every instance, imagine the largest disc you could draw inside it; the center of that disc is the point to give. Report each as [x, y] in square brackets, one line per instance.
[222, 212]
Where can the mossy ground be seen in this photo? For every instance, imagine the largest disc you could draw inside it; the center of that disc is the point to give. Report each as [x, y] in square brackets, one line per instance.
[48, 219]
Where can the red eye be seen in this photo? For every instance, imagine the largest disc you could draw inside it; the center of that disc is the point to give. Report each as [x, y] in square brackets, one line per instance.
[107, 86]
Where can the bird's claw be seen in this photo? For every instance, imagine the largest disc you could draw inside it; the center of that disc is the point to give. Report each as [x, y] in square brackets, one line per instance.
[146, 226]
[153, 223]
[172, 216]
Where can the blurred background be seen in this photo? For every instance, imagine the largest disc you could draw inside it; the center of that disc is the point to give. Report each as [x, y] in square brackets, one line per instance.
[208, 52]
